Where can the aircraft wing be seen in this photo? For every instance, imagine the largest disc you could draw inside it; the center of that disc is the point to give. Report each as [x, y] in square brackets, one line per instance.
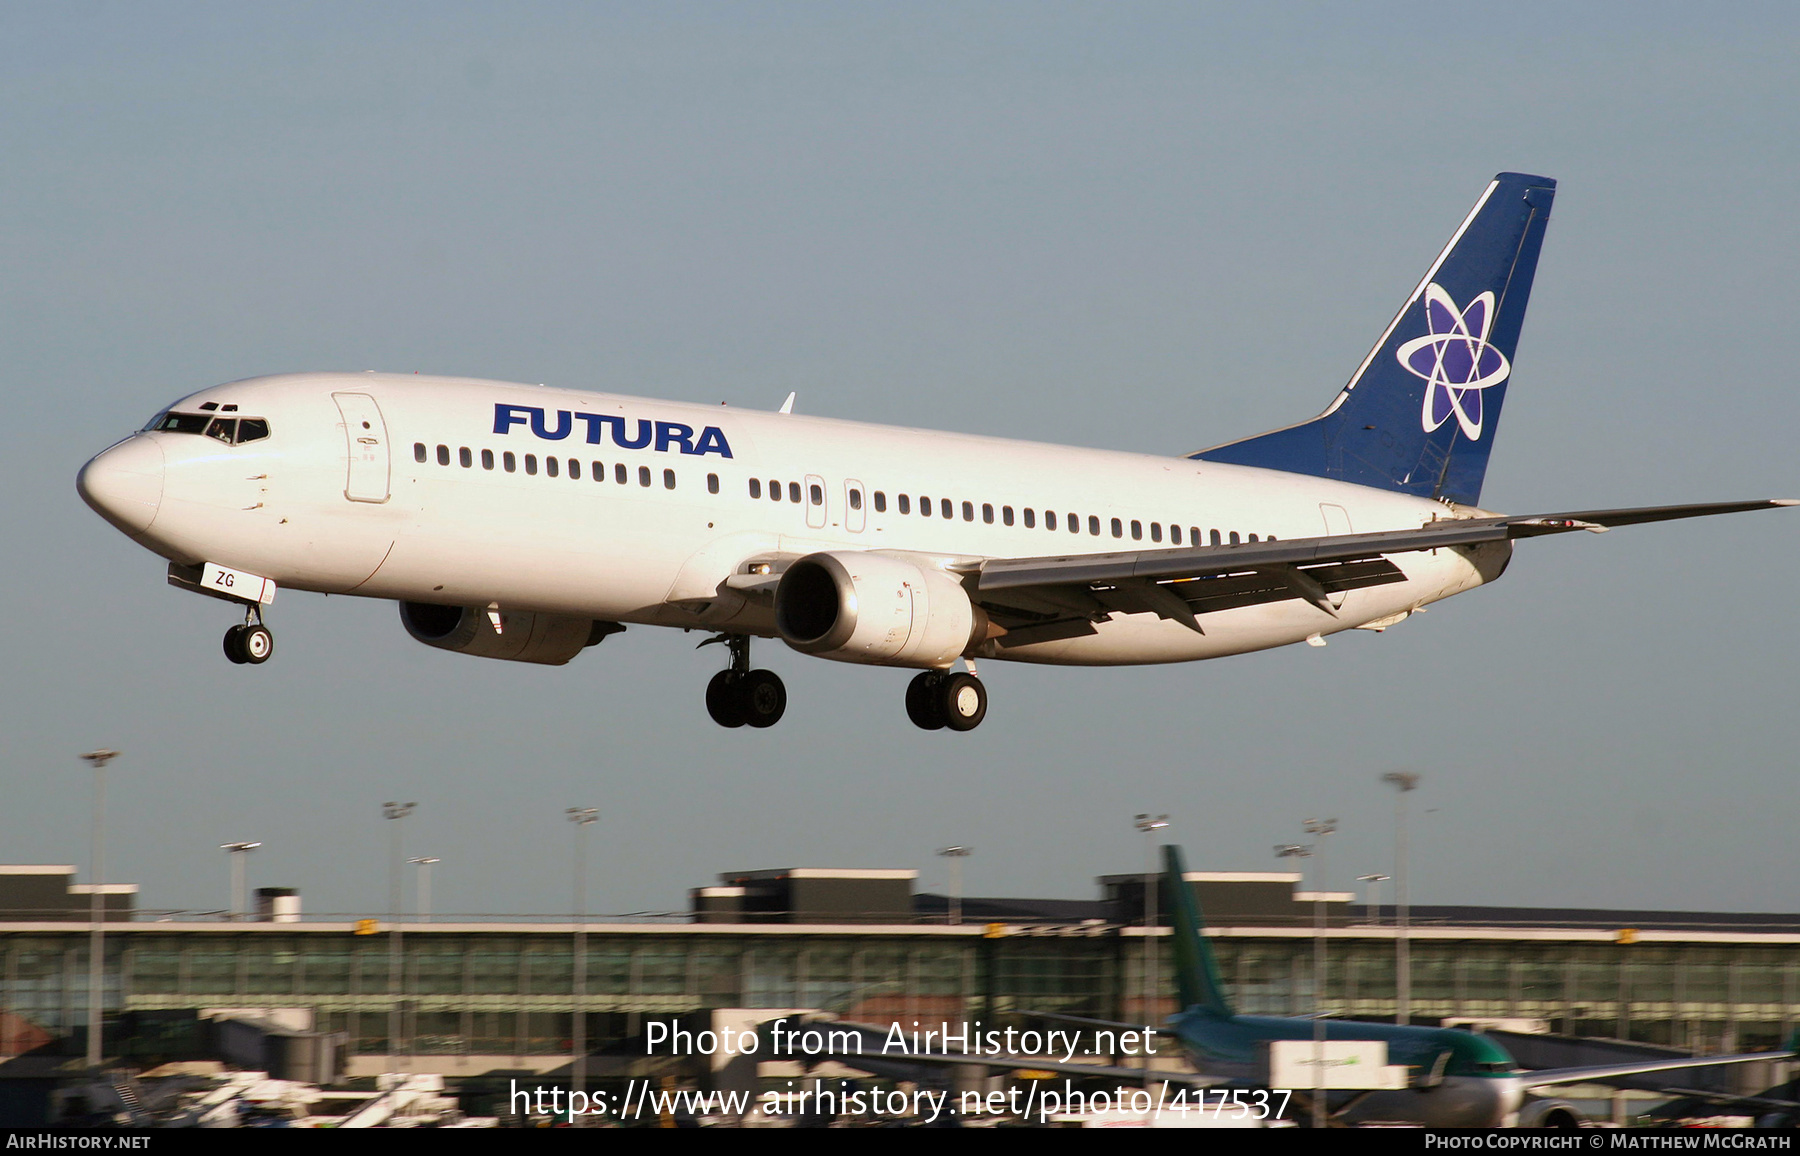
[1060, 596]
[1548, 1077]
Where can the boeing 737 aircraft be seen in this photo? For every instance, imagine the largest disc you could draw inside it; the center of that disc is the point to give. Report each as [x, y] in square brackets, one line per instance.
[525, 523]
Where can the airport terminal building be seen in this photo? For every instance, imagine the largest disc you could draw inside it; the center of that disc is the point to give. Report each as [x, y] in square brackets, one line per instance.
[473, 998]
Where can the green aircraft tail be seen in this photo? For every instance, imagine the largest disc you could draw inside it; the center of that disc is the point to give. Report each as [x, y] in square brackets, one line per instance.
[1196, 971]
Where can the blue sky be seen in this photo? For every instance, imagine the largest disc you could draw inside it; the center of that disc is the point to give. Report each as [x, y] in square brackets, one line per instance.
[1136, 226]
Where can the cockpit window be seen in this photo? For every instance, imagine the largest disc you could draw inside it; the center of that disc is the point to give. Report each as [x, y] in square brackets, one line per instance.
[181, 423]
[230, 430]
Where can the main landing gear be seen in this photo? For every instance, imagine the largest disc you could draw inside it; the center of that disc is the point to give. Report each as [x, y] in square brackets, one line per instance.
[738, 696]
[252, 643]
[937, 700]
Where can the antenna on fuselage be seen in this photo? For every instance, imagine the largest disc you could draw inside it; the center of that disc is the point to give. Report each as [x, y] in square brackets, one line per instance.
[788, 405]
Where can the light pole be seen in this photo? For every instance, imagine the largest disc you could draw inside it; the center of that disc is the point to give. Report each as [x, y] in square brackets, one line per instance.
[956, 855]
[96, 908]
[423, 863]
[1402, 782]
[1300, 851]
[238, 851]
[583, 818]
[1374, 904]
[1150, 825]
[396, 814]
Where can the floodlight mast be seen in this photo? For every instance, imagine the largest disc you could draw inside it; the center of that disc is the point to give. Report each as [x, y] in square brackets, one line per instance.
[97, 909]
[1402, 782]
[396, 813]
[1150, 825]
[583, 818]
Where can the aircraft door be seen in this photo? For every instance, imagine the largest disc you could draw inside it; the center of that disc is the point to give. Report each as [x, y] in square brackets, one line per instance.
[366, 436]
[815, 501]
[855, 499]
[1337, 521]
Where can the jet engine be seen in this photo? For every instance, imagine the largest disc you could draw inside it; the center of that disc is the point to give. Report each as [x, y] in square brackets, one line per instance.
[522, 637]
[1557, 1115]
[858, 607]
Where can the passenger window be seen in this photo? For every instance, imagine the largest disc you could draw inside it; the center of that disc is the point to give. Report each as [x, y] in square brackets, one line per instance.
[1234, 538]
[1215, 538]
[668, 479]
[252, 429]
[487, 459]
[755, 488]
[418, 451]
[968, 510]
[1030, 519]
[987, 512]
[597, 471]
[225, 428]
[551, 467]
[1006, 515]
[643, 475]
[712, 483]
[443, 455]
[575, 467]
[531, 463]
[1094, 525]
[794, 492]
[1049, 519]
[1253, 537]
[1117, 529]
[924, 506]
[1156, 531]
[1137, 531]
[880, 502]
[511, 463]
[905, 505]
[465, 457]
[815, 492]
[855, 499]
[1174, 533]
[621, 473]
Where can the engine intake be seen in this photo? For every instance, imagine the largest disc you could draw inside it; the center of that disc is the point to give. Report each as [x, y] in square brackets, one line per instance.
[858, 607]
[524, 636]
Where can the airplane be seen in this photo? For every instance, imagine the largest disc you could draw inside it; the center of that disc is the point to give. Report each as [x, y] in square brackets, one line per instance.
[527, 523]
[1456, 1078]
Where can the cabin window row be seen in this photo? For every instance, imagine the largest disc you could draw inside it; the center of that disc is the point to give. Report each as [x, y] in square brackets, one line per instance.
[1029, 517]
[552, 467]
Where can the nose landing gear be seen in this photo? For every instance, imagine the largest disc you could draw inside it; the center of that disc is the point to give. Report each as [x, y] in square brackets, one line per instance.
[252, 643]
[937, 701]
[738, 696]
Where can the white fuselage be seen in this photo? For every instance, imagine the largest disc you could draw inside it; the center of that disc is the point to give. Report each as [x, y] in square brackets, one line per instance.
[326, 504]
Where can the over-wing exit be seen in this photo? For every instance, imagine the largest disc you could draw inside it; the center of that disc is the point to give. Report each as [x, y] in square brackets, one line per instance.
[526, 523]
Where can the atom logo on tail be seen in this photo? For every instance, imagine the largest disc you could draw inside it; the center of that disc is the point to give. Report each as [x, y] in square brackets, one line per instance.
[1455, 360]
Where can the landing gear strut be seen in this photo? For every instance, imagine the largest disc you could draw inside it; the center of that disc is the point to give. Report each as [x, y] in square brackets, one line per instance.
[252, 642]
[738, 696]
[936, 700]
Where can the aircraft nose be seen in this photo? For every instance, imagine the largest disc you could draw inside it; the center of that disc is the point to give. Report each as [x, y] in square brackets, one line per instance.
[125, 483]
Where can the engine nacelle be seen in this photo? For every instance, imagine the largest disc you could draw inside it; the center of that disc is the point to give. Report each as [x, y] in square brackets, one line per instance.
[858, 607]
[1557, 1115]
[523, 637]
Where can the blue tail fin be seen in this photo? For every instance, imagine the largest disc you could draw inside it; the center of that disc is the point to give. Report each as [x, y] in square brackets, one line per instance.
[1196, 972]
[1420, 414]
